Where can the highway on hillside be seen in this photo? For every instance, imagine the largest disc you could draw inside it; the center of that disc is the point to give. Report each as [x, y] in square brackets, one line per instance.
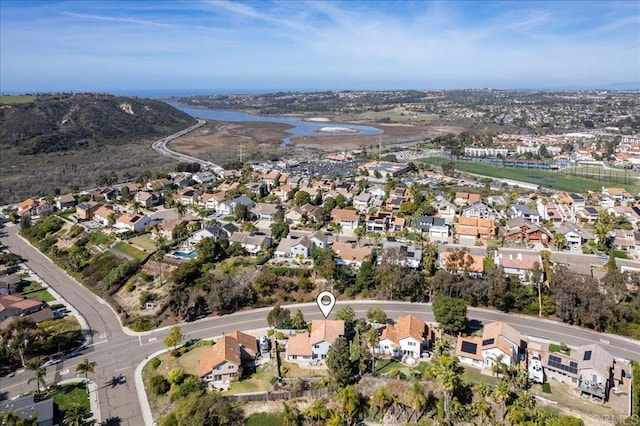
[160, 146]
[118, 351]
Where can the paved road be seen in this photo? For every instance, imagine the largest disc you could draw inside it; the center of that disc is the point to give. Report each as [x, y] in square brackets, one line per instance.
[117, 352]
[160, 146]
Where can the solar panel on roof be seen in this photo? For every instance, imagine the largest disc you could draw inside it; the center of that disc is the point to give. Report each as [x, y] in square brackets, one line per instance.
[587, 356]
[469, 347]
[488, 342]
[556, 362]
[591, 210]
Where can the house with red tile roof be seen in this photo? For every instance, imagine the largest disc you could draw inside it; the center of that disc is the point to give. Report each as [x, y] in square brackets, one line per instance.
[406, 338]
[316, 344]
[223, 362]
[350, 254]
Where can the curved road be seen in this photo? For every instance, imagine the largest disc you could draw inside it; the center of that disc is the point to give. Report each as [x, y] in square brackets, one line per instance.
[116, 350]
[160, 146]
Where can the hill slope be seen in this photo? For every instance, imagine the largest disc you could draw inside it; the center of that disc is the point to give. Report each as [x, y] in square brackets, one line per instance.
[67, 122]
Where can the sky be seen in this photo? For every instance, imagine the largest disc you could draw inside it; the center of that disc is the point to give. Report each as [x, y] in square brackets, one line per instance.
[227, 46]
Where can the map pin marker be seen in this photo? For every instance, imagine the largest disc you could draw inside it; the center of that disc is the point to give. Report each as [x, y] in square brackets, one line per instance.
[325, 307]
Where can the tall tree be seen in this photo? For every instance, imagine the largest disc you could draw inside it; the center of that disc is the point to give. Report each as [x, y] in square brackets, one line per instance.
[351, 405]
[342, 368]
[501, 395]
[85, 367]
[451, 313]
[174, 338]
[447, 372]
[39, 371]
[418, 400]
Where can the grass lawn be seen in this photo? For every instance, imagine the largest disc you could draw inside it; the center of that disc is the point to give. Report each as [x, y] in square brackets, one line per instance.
[473, 375]
[559, 348]
[130, 251]
[302, 373]
[41, 295]
[228, 218]
[257, 382]
[98, 238]
[265, 419]
[384, 366]
[61, 325]
[35, 291]
[70, 395]
[547, 179]
[16, 99]
[144, 242]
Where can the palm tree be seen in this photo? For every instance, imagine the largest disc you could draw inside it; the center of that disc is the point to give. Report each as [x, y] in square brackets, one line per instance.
[181, 209]
[86, 367]
[447, 372]
[136, 206]
[417, 399]
[160, 251]
[75, 415]
[39, 372]
[371, 338]
[381, 401]
[481, 407]
[559, 240]
[291, 415]
[498, 364]
[11, 418]
[350, 405]
[501, 394]
[318, 412]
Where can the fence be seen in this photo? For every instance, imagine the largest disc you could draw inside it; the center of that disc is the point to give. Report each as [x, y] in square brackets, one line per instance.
[277, 396]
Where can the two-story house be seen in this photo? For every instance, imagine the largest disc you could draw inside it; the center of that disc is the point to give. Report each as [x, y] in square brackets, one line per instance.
[223, 362]
[407, 337]
[499, 343]
[316, 344]
[347, 219]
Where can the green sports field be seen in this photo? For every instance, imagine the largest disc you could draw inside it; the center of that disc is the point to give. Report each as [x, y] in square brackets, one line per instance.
[547, 179]
[21, 99]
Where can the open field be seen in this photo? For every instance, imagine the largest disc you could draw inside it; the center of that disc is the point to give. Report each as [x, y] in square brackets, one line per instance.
[547, 179]
[19, 99]
[130, 251]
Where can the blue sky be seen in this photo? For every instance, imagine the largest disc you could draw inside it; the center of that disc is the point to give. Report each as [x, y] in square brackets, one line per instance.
[319, 45]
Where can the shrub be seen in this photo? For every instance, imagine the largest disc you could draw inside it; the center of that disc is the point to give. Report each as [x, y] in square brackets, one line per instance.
[176, 376]
[190, 385]
[146, 296]
[159, 385]
[129, 287]
[546, 388]
[155, 363]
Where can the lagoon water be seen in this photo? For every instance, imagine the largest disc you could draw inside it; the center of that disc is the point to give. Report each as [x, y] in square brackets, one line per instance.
[299, 127]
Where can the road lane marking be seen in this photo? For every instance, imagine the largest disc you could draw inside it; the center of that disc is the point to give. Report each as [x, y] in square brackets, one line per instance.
[152, 339]
[64, 372]
[121, 369]
[97, 343]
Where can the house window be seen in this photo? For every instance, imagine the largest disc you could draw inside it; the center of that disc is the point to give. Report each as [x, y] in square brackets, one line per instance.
[316, 346]
[411, 343]
[230, 367]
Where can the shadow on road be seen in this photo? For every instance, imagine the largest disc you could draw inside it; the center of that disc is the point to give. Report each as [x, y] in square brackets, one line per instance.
[115, 381]
[474, 325]
[112, 421]
[4, 395]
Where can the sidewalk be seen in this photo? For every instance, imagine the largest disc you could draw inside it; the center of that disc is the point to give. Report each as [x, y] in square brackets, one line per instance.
[94, 403]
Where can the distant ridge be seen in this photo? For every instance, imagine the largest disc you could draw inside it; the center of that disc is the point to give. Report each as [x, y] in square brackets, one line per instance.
[68, 121]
